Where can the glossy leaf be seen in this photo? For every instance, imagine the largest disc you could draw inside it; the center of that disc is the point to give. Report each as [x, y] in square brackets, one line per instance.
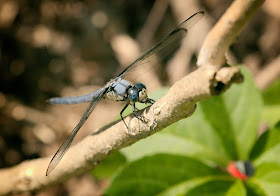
[172, 144]
[211, 188]
[153, 174]
[271, 95]
[266, 180]
[265, 142]
[265, 168]
[269, 145]
[271, 114]
[269, 156]
[254, 189]
[237, 189]
[109, 166]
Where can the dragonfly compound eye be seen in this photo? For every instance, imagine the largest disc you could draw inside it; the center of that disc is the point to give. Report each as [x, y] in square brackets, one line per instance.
[133, 94]
[139, 86]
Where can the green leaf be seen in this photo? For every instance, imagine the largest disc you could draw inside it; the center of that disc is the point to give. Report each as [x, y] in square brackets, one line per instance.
[263, 187]
[269, 156]
[109, 166]
[271, 114]
[237, 189]
[268, 172]
[264, 170]
[244, 104]
[271, 189]
[221, 123]
[172, 144]
[271, 95]
[267, 178]
[154, 174]
[186, 186]
[254, 189]
[271, 111]
[214, 187]
[266, 141]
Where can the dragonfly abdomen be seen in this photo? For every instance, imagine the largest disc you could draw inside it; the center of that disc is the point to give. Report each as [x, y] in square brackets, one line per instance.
[75, 100]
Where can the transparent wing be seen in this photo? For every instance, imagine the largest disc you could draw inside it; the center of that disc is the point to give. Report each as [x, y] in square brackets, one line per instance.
[155, 55]
[67, 143]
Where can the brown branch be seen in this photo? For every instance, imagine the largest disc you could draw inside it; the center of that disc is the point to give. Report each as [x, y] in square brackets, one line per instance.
[269, 74]
[149, 28]
[31, 115]
[180, 64]
[225, 31]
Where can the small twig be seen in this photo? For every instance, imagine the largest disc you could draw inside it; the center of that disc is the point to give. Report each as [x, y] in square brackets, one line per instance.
[269, 74]
[180, 64]
[225, 31]
[19, 111]
[155, 16]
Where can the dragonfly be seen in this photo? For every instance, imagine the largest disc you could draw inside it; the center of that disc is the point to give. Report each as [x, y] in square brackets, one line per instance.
[120, 89]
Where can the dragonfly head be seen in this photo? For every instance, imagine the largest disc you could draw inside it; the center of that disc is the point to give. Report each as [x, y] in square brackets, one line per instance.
[138, 93]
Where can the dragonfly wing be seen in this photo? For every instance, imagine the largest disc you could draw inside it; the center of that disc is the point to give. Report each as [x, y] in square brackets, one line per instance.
[67, 143]
[78, 99]
[155, 55]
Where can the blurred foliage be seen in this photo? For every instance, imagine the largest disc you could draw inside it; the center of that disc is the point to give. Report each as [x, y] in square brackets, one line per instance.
[271, 95]
[109, 166]
[270, 114]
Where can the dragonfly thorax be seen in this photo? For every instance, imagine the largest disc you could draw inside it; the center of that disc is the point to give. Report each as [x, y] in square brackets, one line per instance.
[119, 90]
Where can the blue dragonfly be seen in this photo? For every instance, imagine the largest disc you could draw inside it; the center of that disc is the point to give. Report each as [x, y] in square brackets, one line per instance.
[119, 89]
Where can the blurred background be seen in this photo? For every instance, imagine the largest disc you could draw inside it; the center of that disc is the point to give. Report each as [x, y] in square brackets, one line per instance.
[69, 48]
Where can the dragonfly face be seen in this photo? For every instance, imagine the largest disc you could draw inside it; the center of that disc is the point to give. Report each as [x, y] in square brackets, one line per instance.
[119, 89]
[142, 92]
[138, 93]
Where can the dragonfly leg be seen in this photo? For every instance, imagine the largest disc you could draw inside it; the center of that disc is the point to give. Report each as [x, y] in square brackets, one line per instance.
[151, 101]
[123, 119]
[142, 118]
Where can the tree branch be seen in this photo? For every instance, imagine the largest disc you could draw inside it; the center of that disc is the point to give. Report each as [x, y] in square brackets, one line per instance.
[225, 31]
[269, 74]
